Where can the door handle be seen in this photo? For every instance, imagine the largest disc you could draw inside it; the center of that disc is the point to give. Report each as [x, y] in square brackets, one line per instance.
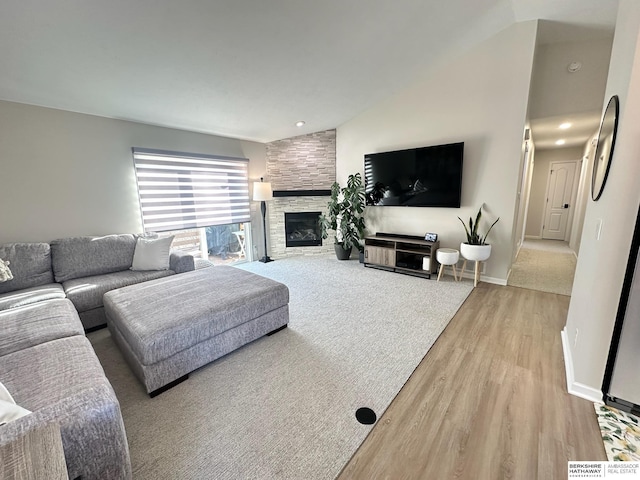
[566, 205]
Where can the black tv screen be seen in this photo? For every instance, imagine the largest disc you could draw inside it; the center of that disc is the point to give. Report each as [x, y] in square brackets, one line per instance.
[416, 177]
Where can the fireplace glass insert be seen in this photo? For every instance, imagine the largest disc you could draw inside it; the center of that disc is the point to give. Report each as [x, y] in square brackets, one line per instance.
[302, 229]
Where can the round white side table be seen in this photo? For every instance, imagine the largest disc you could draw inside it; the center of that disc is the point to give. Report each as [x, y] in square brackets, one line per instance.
[448, 256]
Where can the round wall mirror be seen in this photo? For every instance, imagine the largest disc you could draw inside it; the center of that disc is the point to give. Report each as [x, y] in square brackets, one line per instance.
[604, 148]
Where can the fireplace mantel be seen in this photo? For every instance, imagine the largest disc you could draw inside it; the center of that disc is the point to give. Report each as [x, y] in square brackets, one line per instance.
[301, 193]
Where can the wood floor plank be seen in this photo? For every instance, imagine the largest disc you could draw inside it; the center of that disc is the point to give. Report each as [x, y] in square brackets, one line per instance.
[488, 401]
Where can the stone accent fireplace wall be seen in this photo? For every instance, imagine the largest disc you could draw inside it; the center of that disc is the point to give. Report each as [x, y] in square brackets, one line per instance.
[306, 162]
[277, 237]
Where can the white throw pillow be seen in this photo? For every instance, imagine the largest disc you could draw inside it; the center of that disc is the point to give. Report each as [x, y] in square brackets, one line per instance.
[5, 273]
[5, 395]
[9, 411]
[152, 254]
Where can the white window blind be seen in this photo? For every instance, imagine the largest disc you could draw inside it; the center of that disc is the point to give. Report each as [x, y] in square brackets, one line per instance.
[185, 190]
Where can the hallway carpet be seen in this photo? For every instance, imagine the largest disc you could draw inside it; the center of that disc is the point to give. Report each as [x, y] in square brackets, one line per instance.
[543, 270]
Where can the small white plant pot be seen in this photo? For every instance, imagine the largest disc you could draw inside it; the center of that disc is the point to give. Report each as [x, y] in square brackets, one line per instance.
[477, 253]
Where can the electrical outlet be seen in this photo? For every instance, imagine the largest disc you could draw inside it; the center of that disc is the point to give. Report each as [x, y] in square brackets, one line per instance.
[575, 340]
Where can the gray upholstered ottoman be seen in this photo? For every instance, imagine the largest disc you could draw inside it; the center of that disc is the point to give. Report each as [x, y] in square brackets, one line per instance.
[168, 327]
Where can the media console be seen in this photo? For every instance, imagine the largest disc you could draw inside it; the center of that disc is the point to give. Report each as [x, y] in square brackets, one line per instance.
[401, 253]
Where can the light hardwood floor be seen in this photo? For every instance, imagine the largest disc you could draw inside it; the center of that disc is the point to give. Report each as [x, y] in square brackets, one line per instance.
[488, 401]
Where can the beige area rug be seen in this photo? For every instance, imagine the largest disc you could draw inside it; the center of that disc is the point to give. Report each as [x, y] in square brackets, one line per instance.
[542, 270]
[283, 407]
[620, 433]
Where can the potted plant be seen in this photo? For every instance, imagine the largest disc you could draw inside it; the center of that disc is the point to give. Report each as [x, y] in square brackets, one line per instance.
[476, 247]
[345, 216]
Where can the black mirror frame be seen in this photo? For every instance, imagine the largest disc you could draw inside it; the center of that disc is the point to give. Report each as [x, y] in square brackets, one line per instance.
[596, 190]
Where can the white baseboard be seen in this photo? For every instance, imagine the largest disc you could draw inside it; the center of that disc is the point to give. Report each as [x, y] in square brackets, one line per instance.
[484, 278]
[576, 388]
[494, 280]
[469, 273]
[533, 237]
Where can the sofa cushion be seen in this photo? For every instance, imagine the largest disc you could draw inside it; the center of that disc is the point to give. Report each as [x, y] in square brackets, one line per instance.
[152, 254]
[86, 293]
[30, 265]
[62, 381]
[77, 257]
[41, 322]
[27, 296]
[48, 372]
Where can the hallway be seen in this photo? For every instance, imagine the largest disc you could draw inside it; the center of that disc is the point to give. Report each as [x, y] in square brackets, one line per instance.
[544, 265]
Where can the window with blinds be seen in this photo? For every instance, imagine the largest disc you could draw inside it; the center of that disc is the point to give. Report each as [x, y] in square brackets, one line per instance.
[185, 190]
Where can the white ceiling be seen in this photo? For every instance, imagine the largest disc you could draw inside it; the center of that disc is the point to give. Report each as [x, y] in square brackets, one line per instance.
[249, 68]
[546, 131]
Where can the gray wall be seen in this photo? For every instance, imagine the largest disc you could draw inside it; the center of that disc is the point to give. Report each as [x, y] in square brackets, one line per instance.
[67, 174]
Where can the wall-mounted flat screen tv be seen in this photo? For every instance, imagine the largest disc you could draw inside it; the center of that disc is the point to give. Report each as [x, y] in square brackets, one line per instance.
[416, 177]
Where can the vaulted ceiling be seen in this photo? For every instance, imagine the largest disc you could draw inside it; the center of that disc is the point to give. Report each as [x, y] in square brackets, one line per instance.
[250, 68]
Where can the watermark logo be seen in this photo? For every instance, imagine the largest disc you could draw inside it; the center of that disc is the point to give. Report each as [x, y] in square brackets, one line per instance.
[609, 470]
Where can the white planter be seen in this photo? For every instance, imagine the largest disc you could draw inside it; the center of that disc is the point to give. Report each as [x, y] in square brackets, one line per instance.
[478, 253]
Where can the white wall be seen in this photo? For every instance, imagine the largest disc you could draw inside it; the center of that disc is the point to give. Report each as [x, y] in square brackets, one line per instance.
[537, 198]
[601, 264]
[583, 196]
[524, 189]
[479, 98]
[67, 174]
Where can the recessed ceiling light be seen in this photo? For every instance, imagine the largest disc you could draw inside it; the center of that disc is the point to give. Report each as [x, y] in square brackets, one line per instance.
[300, 123]
[560, 142]
[574, 67]
[564, 125]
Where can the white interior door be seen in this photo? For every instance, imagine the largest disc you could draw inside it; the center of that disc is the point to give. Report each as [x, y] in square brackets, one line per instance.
[559, 199]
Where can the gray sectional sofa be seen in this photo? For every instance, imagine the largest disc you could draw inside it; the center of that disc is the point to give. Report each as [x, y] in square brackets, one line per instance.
[47, 363]
[50, 368]
[81, 269]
